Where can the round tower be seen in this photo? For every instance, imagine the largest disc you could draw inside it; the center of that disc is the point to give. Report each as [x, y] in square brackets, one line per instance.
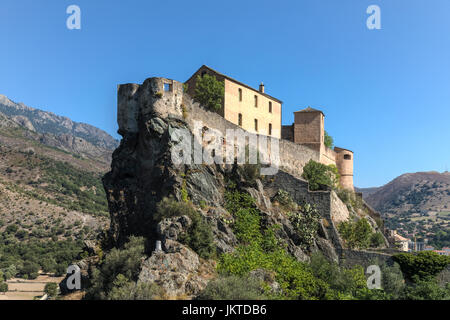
[344, 164]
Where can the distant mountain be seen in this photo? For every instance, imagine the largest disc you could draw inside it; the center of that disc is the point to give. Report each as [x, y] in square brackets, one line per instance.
[51, 193]
[47, 122]
[419, 201]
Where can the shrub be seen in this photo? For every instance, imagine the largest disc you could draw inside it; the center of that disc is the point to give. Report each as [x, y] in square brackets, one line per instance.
[285, 200]
[51, 289]
[306, 223]
[376, 240]
[233, 288]
[169, 207]
[423, 266]
[392, 280]
[30, 269]
[251, 172]
[209, 92]
[426, 290]
[356, 234]
[125, 262]
[12, 228]
[127, 290]
[199, 237]
[3, 287]
[319, 175]
[344, 283]
[259, 249]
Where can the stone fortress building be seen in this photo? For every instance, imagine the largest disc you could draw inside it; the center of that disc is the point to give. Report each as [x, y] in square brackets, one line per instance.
[257, 112]
[242, 108]
[253, 110]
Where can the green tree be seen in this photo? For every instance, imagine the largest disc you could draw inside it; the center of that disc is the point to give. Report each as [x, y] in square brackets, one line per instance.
[328, 140]
[319, 175]
[209, 92]
[199, 237]
[426, 290]
[376, 240]
[3, 287]
[51, 289]
[392, 280]
[356, 234]
[423, 266]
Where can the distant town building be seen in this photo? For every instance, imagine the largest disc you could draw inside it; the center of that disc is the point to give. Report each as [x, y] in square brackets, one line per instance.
[417, 245]
[442, 252]
[400, 242]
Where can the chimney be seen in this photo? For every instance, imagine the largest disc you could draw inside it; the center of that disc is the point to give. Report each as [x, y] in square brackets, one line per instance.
[261, 87]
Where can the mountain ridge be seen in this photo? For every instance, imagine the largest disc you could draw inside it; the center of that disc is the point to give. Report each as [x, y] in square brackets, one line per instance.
[414, 203]
[48, 122]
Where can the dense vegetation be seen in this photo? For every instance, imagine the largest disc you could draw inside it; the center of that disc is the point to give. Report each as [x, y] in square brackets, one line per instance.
[209, 92]
[116, 275]
[260, 249]
[359, 235]
[26, 259]
[423, 266]
[320, 175]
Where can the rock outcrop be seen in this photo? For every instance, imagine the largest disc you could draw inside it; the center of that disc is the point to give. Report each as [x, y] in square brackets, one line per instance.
[177, 270]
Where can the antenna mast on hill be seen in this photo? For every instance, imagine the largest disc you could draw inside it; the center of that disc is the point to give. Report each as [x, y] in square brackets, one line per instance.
[415, 240]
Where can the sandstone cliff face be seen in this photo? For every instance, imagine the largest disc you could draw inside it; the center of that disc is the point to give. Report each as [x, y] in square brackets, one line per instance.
[143, 173]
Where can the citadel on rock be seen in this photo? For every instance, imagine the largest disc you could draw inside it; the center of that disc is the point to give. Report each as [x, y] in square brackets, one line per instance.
[242, 107]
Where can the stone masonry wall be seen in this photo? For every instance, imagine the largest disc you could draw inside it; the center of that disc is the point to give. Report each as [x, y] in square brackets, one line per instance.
[293, 157]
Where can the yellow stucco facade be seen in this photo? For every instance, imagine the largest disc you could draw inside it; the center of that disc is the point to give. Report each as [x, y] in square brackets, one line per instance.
[257, 112]
[252, 109]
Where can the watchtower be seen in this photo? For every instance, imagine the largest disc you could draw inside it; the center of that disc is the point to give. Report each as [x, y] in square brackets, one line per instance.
[309, 128]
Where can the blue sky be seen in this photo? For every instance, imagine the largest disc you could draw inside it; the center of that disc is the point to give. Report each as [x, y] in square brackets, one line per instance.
[385, 93]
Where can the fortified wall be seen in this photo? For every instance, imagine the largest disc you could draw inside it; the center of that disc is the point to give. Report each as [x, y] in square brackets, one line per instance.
[165, 98]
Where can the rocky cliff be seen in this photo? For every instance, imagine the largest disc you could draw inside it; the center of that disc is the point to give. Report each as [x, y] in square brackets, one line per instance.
[143, 173]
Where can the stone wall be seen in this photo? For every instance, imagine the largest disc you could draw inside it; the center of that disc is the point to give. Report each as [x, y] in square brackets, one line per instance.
[166, 98]
[350, 258]
[329, 206]
[293, 157]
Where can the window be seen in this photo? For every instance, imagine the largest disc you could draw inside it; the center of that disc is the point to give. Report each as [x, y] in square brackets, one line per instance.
[256, 125]
[240, 119]
[256, 101]
[270, 129]
[270, 106]
[167, 87]
[240, 94]
[347, 157]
